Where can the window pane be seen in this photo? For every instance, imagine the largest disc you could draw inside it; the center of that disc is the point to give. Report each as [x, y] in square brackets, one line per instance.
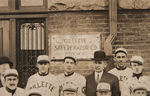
[31, 2]
[3, 3]
[32, 36]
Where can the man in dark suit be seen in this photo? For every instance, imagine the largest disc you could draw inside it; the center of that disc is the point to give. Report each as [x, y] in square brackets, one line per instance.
[100, 76]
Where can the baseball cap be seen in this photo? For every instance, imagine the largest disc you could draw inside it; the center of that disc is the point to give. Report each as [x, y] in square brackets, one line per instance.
[34, 92]
[43, 58]
[103, 87]
[70, 86]
[4, 59]
[139, 86]
[137, 59]
[11, 72]
[121, 50]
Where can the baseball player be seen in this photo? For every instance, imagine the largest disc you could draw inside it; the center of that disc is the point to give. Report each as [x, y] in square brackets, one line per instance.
[136, 63]
[5, 64]
[103, 89]
[139, 90]
[34, 92]
[11, 80]
[121, 70]
[69, 89]
[69, 76]
[43, 81]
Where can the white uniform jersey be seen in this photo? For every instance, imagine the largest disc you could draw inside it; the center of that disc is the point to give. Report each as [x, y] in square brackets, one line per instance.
[130, 83]
[18, 92]
[46, 85]
[122, 75]
[76, 79]
[2, 80]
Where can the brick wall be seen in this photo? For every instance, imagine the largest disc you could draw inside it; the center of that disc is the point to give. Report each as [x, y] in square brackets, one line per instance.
[78, 22]
[133, 32]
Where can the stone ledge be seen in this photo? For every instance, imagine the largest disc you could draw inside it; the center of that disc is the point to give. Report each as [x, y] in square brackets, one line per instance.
[63, 5]
[134, 4]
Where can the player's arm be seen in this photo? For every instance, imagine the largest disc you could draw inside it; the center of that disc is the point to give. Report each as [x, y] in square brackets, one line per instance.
[29, 83]
[126, 89]
[56, 87]
[82, 87]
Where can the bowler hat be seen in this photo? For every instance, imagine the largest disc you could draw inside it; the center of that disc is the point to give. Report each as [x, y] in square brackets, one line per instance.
[4, 59]
[100, 56]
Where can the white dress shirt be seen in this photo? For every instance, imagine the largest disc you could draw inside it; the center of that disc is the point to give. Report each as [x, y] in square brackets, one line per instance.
[100, 75]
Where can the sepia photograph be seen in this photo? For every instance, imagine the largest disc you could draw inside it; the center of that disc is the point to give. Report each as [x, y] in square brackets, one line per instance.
[74, 47]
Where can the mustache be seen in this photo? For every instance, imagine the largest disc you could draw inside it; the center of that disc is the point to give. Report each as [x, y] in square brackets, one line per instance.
[12, 84]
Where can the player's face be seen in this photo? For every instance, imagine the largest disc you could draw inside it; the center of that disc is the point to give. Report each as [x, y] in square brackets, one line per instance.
[69, 65]
[140, 93]
[67, 93]
[43, 67]
[103, 93]
[11, 82]
[121, 59]
[4, 67]
[99, 66]
[136, 68]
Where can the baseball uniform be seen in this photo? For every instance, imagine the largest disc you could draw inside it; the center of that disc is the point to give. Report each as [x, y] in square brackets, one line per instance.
[46, 85]
[130, 83]
[76, 79]
[18, 92]
[122, 75]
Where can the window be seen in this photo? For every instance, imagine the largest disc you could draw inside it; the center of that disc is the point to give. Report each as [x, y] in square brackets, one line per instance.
[32, 36]
[3, 3]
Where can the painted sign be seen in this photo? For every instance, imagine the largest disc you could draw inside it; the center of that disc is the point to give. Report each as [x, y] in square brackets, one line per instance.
[78, 46]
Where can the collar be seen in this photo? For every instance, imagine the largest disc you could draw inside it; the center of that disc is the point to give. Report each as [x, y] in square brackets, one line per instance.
[98, 73]
[11, 91]
[68, 74]
[137, 75]
[43, 74]
[121, 68]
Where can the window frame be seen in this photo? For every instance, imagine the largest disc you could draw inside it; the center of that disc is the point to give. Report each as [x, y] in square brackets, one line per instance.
[32, 8]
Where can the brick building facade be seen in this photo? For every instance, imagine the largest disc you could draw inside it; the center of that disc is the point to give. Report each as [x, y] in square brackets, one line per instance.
[132, 31]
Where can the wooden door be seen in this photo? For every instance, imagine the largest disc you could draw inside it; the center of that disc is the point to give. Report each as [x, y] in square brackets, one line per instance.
[30, 43]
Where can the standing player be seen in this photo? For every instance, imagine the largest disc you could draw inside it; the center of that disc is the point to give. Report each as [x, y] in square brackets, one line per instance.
[11, 80]
[5, 64]
[136, 63]
[121, 70]
[69, 76]
[43, 81]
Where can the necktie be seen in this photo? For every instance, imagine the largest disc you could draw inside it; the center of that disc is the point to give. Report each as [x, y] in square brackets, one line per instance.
[97, 78]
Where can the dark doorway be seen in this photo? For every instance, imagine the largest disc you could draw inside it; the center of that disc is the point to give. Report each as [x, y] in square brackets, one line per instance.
[30, 43]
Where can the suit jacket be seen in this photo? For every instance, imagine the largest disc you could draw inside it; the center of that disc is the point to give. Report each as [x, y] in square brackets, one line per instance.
[1, 84]
[91, 84]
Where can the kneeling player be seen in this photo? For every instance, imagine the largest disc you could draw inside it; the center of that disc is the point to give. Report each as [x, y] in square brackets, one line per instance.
[70, 89]
[103, 89]
[11, 81]
[139, 90]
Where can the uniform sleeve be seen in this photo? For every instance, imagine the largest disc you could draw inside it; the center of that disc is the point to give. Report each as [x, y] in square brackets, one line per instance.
[148, 85]
[56, 89]
[29, 83]
[126, 89]
[82, 87]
